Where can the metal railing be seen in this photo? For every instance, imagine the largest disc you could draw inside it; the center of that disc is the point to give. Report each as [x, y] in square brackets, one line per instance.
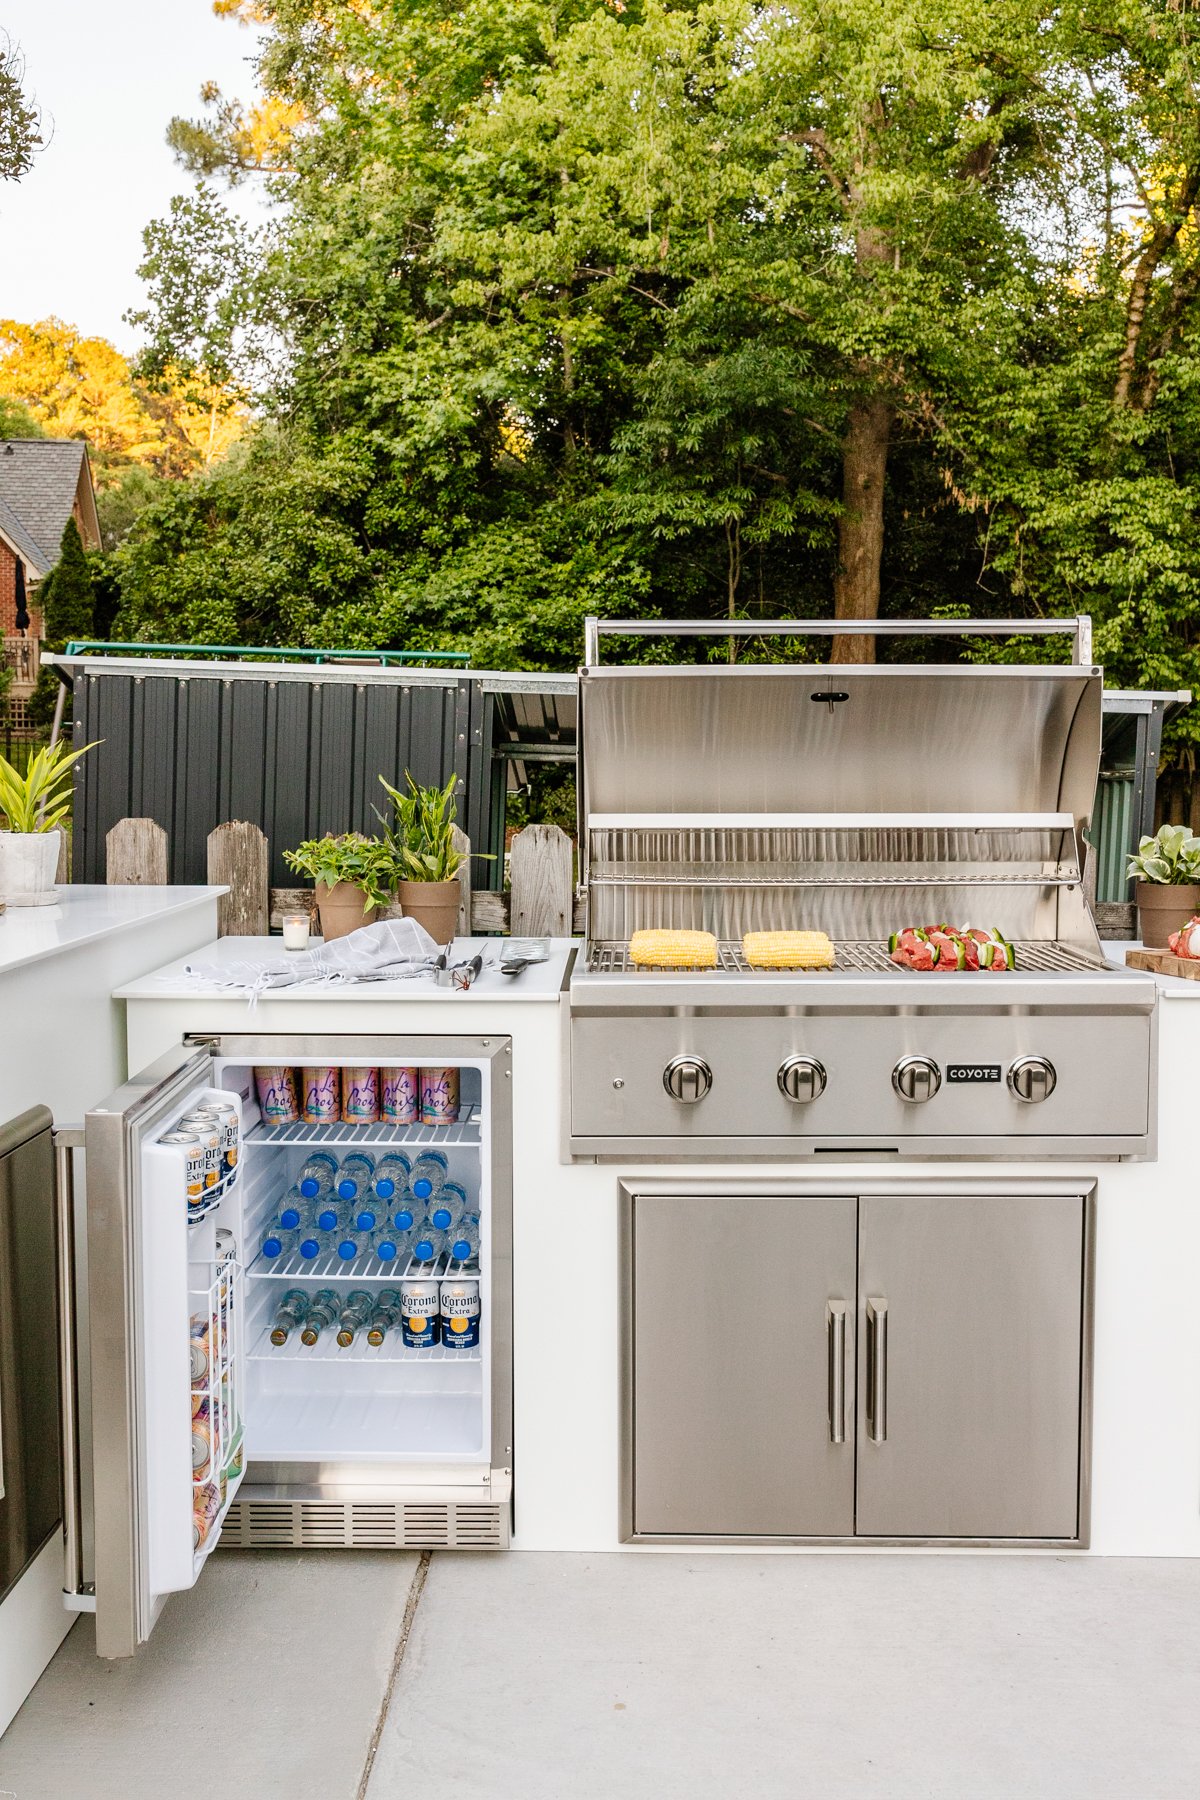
[272, 653]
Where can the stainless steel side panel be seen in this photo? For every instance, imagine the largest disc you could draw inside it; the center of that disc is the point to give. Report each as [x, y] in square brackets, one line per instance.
[30, 1454]
[114, 1134]
[969, 1407]
[1103, 1064]
[737, 1346]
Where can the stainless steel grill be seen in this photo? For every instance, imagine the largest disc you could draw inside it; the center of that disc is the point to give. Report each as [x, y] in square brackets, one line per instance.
[857, 801]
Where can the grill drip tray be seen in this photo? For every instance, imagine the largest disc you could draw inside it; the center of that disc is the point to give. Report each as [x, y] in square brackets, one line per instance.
[1041, 956]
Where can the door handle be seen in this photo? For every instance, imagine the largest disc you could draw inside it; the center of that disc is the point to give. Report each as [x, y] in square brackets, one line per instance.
[835, 1324]
[877, 1324]
[65, 1142]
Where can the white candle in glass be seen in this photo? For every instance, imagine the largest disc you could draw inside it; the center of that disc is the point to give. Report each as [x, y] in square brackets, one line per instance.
[295, 931]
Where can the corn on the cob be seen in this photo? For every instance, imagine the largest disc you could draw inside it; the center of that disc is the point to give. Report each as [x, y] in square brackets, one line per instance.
[788, 950]
[673, 949]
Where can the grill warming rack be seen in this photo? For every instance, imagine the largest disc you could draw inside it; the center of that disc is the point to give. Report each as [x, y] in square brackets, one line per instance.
[855, 876]
[868, 957]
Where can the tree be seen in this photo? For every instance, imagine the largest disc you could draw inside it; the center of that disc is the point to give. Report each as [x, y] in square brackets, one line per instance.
[67, 604]
[20, 137]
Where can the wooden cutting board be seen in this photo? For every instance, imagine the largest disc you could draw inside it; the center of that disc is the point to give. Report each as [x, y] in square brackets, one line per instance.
[1161, 962]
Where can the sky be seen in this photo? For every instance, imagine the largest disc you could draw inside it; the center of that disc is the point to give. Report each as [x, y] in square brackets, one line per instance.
[108, 75]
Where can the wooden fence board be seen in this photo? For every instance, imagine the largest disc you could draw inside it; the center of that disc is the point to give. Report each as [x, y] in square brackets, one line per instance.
[135, 852]
[238, 859]
[540, 867]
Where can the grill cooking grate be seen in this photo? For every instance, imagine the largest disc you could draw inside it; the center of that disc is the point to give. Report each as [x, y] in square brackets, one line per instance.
[1032, 957]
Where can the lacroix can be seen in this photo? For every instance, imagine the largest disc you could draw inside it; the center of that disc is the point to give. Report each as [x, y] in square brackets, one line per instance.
[400, 1096]
[320, 1094]
[419, 1301]
[276, 1089]
[439, 1096]
[193, 1164]
[459, 1306]
[206, 1505]
[360, 1096]
[202, 1440]
[208, 1130]
[202, 1349]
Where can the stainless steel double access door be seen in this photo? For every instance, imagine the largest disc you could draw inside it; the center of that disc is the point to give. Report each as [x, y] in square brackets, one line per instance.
[902, 1365]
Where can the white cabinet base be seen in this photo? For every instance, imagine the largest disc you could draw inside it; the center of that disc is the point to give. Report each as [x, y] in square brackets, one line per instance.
[33, 1623]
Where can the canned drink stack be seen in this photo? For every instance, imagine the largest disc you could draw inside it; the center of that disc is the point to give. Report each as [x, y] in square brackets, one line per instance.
[400, 1096]
[439, 1096]
[210, 1134]
[225, 1115]
[276, 1089]
[320, 1094]
[192, 1147]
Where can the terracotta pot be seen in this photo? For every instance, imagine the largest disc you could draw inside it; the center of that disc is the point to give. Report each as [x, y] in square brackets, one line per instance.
[433, 904]
[1163, 909]
[28, 863]
[343, 908]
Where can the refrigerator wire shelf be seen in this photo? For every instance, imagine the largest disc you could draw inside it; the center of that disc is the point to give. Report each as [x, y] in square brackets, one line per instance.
[330, 1269]
[394, 1137]
[214, 1298]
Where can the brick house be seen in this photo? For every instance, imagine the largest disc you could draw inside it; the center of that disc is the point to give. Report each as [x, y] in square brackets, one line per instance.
[43, 483]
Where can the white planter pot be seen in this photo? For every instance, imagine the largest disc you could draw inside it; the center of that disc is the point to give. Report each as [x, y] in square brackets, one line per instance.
[28, 862]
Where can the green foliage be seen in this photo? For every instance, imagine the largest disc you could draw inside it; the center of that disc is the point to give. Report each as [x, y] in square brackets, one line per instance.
[40, 798]
[67, 604]
[20, 138]
[368, 864]
[16, 420]
[570, 309]
[1170, 858]
[419, 834]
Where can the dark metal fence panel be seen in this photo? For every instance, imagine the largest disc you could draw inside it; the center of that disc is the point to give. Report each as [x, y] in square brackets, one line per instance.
[297, 757]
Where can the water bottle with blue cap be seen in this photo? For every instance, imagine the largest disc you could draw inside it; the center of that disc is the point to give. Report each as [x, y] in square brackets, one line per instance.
[427, 1243]
[390, 1245]
[449, 1206]
[368, 1214]
[462, 1240]
[277, 1242]
[312, 1243]
[429, 1174]
[407, 1213]
[355, 1175]
[294, 1210]
[317, 1176]
[392, 1174]
[352, 1244]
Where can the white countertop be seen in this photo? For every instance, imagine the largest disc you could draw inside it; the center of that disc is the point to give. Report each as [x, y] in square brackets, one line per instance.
[84, 914]
[1171, 987]
[540, 982]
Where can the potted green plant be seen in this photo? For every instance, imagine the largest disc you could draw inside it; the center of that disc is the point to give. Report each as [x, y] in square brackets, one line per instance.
[354, 876]
[1166, 873]
[33, 806]
[420, 836]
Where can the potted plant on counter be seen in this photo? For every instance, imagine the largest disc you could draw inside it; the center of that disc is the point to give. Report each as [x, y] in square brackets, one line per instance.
[355, 877]
[420, 835]
[1166, 874]
[32, 807]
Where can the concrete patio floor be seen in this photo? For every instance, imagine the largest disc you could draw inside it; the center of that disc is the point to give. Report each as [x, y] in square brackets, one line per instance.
[358, 1676]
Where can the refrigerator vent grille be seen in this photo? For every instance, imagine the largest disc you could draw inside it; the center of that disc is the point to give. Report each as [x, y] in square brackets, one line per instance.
[361, 1525]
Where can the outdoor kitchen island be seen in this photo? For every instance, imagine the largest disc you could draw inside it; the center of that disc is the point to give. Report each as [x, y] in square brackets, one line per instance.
[569, 1448]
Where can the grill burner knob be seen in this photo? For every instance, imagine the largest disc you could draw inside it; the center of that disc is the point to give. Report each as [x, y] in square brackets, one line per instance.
[916, 1078]
[1032, 1078]
[801, 1078]
[687, 1078]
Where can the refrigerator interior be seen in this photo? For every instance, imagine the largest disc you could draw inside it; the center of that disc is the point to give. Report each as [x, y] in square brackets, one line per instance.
[391, 1404]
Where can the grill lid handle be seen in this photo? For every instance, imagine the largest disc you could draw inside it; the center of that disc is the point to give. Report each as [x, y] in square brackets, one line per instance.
[1079, 629]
